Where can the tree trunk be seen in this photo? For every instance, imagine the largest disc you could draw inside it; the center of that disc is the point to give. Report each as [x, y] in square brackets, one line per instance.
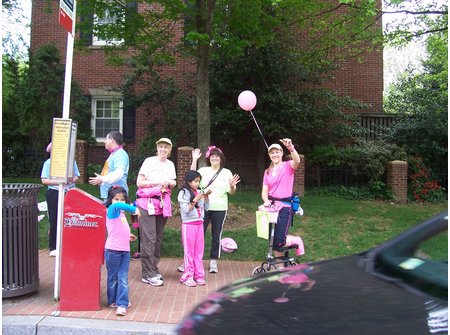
[203, 112]
[204, 25]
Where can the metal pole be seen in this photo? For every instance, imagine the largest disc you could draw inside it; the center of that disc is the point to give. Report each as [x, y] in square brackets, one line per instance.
[59, 240]
[66, 109]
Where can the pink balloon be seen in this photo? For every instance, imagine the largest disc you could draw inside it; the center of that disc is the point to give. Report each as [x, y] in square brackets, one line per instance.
[247, 100]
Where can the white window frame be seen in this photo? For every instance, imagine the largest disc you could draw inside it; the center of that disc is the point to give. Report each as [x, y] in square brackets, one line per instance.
[108, 97]
[96, 41]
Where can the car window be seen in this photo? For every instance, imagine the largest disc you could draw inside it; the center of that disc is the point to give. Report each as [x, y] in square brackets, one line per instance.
[435, 248]
[418, 258]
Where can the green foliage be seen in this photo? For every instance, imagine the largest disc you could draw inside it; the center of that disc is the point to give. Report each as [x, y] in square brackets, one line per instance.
[41, 95]
[12, 81]
[32, 97]
[93, 168]
[283, 108]
[369, 158]
[420, 103]
[422, 187]
[13, 42]
[366, 158]
[160, 94]
[375, 190]
[419, 18]
[80, 111]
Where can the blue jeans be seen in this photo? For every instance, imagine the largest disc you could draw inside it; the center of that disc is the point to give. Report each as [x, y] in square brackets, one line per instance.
[117, 265]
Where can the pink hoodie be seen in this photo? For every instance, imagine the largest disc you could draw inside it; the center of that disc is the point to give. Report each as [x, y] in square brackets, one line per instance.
[146, 194]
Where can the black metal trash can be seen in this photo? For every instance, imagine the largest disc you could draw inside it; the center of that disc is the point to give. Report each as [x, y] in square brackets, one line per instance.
[20, 239]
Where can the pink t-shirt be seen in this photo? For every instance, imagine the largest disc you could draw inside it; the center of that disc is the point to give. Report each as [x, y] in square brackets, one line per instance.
[280, 181]
[118, 233]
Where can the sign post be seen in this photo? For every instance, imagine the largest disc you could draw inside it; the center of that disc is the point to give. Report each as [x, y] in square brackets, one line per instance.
[64, 132]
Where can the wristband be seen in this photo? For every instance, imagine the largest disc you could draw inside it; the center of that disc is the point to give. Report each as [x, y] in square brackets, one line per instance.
[291, 148]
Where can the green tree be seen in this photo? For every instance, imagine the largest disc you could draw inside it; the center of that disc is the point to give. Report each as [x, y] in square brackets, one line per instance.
[13, 16]
[41, 94]
[230, 28]
[418, 19]
[283, 107]
[420, 102]
[32, 97]
[332, 31]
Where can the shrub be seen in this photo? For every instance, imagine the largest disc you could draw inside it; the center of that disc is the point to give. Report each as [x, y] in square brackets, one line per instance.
[422, 186]
[93, 169]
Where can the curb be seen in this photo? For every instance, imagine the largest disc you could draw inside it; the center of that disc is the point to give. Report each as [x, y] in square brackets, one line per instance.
[49, 325]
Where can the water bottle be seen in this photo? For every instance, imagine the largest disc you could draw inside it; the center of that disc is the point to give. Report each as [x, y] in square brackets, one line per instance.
[295, 203]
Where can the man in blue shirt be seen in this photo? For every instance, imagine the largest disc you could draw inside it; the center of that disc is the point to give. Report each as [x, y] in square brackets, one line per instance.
[115, 170]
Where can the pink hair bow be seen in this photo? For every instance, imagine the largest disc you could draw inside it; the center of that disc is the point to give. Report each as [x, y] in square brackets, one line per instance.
[212, 147]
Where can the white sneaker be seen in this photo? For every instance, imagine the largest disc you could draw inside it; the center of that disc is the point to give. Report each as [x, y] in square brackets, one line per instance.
[52, 253]
[159, 276]
[213, 266]
[121, 311]
[181, 268]
[154, 281]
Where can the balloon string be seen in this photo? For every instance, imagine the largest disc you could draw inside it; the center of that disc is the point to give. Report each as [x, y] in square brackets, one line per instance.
[257, 126]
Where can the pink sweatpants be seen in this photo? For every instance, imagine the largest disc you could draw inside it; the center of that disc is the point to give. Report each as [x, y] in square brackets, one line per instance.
[192, 237]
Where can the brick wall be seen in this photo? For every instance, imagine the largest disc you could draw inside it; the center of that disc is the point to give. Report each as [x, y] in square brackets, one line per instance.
[299, 177]
[397, 179]
[81, 157]
[183, 164]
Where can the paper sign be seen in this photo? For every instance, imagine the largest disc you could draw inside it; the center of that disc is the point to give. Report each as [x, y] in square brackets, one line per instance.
[262, 224]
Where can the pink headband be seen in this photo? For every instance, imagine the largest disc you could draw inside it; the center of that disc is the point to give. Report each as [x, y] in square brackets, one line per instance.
[211, 148]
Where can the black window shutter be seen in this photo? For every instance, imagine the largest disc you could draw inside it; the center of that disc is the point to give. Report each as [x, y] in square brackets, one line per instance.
[129, 123]
[86, 29]
[130, 13]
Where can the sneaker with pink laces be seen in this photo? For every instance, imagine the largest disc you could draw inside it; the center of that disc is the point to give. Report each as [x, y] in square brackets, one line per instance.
[189, 282]
[136, 256]
[200, 282]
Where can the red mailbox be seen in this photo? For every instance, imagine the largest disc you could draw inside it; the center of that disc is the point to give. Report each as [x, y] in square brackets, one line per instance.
[83, 245]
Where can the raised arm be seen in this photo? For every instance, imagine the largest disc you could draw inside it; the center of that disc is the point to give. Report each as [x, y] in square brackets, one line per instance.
[294, 154]
[196, 154]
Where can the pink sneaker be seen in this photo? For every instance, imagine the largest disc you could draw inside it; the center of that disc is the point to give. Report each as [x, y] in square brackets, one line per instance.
[189, 282]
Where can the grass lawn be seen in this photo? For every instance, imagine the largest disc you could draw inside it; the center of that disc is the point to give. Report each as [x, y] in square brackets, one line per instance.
[330, 227]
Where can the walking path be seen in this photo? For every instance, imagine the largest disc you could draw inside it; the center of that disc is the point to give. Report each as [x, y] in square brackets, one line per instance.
[167, 304]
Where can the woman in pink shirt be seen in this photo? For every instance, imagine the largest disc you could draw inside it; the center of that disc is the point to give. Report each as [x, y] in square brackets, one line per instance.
[278, 184]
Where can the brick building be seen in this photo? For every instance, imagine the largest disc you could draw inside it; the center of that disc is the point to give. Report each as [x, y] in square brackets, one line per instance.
[362, 81]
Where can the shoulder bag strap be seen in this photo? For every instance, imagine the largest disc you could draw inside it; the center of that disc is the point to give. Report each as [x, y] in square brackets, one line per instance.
[214, 177]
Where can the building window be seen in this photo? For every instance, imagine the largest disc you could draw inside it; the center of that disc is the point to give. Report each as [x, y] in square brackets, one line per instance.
[107, 115]
[108, 18]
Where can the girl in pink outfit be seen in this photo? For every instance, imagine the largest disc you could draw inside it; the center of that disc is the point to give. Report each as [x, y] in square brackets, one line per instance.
[192, 209]
[117, 248]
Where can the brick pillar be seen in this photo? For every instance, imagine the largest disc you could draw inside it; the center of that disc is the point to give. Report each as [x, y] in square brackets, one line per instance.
[81, 156]
[299, 177]
[184, 160]
[397, 179]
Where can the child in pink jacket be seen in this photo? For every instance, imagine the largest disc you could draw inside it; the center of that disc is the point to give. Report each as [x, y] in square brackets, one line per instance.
[192, 209]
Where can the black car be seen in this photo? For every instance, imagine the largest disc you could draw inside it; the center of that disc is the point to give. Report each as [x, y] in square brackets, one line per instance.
[395, 288]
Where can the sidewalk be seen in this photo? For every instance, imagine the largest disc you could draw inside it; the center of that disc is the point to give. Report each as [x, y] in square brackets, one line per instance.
[164, 307]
